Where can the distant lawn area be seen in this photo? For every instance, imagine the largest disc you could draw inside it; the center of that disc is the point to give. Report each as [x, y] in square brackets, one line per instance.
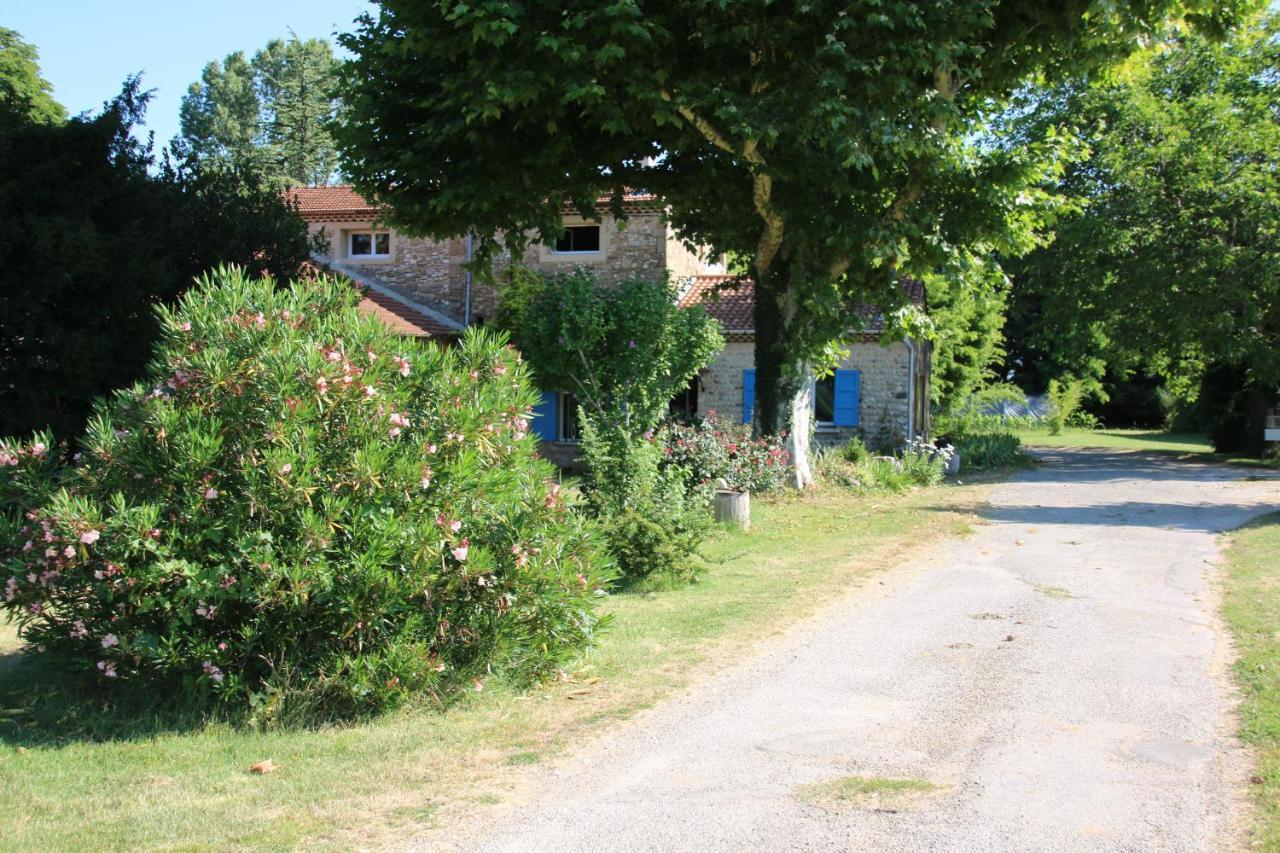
[78, 773]
[1120, 439]
[1188, 444]
[1251, 607]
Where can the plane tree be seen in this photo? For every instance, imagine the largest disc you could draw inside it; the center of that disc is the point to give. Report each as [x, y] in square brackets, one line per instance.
[836, 145]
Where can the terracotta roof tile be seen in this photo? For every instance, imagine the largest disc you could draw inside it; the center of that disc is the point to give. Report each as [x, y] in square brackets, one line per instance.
[338, 202]
[402, 318]
[732, 301]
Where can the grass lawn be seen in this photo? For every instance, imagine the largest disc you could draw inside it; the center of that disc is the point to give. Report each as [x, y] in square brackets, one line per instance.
[1252, 609]
[77, 774]
[1188, 444]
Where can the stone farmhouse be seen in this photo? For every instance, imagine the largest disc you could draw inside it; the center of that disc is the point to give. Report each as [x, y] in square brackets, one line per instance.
[421, 287]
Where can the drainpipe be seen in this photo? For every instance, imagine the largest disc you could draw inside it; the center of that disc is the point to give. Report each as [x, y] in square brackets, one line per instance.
[466, 305]
[911, 392]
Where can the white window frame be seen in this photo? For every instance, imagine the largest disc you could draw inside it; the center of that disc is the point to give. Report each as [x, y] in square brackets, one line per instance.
[373, 244]
[599, 240]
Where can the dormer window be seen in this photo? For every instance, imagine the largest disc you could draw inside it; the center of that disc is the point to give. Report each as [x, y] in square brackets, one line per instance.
[578, 239]
[369, 244]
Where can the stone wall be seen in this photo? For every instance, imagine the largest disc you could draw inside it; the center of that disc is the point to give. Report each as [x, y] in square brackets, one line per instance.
[883, 403]
[424, 270]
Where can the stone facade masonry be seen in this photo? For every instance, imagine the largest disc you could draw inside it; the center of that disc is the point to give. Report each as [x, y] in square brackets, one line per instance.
[431, 272]
[883, 406]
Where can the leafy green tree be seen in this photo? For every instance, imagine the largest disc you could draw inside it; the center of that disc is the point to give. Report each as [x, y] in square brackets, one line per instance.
[22, 90]
[1172, 267]
[624, 351]
[95, 236]
[832, 143]
[968, 297]
[268, 114]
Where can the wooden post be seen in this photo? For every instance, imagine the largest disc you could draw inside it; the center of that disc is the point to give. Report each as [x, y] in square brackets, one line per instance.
[733, 508]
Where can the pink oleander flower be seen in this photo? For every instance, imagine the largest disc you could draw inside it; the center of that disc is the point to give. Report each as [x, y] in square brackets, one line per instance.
[333, 355]
[431, 448]
[186, 327]
[394, 432]
[286, 468]
[38, 450]
[110, 640]
[373, 356]
[398, 419]
[212, 671]
[107, 668]
[260, 320]
[78, 630]
[69, 552]
[211, 494]
[322, 384]
[10, 589]
[28, 545]
[402, 364]
[499, 370]
[460, 552]
[90, 536]
[7, 458]
[370, 391]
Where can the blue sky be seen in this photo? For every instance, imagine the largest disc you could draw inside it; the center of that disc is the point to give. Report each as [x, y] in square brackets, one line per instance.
[88, 47]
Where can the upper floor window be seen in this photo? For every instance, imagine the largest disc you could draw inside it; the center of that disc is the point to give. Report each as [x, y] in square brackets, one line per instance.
[369, 244]
[579, 238]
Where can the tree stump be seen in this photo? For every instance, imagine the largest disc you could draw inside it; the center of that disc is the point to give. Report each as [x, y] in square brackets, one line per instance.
[733, 508]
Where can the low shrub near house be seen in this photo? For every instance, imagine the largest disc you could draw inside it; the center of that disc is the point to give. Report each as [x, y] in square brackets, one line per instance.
[302, 515]
[652, 518]
[708, 450]
[983, 450]
[851, 465]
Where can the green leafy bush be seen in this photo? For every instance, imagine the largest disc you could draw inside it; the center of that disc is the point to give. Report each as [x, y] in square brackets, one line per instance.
[990, 450]
[1065, 398]
[652, 518]
[301, 514]
[853, 466]
[708, 450]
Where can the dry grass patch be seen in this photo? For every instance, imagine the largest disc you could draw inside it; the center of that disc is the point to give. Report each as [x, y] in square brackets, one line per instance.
[878, 793]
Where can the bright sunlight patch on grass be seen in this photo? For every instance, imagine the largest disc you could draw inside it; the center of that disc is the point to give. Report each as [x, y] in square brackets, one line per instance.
[1119, 439]
[91, 776]
[1252, 609]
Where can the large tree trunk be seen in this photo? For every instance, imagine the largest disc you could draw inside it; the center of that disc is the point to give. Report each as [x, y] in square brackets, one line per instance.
[784, 388]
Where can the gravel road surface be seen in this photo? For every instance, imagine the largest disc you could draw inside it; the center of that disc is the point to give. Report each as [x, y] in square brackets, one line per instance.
[1061, 675]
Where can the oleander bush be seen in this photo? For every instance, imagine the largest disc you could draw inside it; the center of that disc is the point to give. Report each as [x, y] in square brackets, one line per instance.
[709, 449]
[301, 515]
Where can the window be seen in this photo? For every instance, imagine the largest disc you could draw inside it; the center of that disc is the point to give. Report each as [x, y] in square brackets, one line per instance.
[567, 417]
[369, 244]
[824, 400]
[579, 238]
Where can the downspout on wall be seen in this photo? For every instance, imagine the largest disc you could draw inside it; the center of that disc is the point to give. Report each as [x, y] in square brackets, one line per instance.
[466, 300]
[911, 391]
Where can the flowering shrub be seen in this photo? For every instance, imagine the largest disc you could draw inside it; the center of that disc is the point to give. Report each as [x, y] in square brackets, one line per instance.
[302, 514]
[709, 450]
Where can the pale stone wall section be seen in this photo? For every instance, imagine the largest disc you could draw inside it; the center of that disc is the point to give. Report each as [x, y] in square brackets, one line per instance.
[886, 376]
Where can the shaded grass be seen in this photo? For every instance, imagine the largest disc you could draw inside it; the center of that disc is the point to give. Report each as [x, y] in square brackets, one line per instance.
[97, 773]
[1251, 606]
[877, 791]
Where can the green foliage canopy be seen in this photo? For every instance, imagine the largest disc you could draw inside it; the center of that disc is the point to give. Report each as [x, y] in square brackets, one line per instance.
[624, 350]
[96, 234]
[1172, 265]
[830, 143]
[268, 114]
[23, 91]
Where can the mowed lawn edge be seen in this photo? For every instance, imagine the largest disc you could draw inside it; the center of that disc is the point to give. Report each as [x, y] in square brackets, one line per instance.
[1251, 608]
[386, 779]
[1188, 446]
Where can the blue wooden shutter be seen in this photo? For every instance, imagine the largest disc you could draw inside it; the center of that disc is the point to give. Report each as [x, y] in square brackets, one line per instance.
[848, 393]
[748, 394]
[545, 415]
